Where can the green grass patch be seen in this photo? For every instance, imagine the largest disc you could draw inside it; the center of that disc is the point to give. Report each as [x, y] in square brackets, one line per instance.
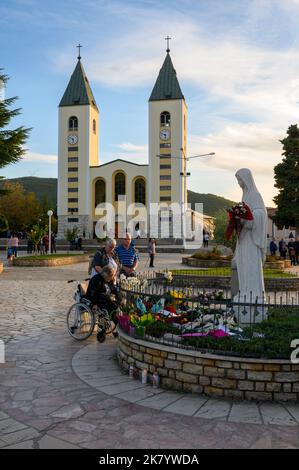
[268, 273]
[47, 257]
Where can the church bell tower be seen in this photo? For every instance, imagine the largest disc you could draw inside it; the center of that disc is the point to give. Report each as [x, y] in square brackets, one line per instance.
[78, 149]
[167, 142]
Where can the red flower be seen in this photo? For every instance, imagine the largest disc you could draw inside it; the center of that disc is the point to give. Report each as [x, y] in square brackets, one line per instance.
[235, 214]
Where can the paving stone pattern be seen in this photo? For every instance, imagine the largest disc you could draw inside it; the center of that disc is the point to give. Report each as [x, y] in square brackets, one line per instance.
[59, 393]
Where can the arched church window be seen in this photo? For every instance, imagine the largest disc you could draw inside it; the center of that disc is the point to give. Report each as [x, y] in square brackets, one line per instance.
[140, 191]
[94, 126]
[100, 192]
[73, 123]
[119, 185]
[165, 119]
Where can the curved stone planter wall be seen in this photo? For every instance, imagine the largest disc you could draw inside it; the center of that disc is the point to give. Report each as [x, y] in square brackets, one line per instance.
[221, 263]
[51, 261]
[213, 375]
[278, 284]
[206, 263]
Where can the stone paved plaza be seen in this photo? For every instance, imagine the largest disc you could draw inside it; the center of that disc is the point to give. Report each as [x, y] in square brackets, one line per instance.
[58, 393]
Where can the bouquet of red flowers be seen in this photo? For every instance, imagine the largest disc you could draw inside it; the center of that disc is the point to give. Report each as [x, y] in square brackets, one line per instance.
[235, 214]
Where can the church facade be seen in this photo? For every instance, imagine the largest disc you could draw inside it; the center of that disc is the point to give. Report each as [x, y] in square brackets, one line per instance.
[84, 184]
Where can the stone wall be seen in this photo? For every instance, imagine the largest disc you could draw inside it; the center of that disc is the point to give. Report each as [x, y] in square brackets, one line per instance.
[220, 263]
[224, 282]
[213, 375]
[62, 260]
[84, 225]
[206, 263]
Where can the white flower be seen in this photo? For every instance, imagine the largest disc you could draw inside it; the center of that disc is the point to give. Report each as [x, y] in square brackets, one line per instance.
[168, 276]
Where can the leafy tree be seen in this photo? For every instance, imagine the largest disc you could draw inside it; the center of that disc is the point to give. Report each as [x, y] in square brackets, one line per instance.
[45, 206]
[21, 209]
[71, 234]
[3, 223]
[221, 222]
[37, 233]
[286, 176]
[11, 141]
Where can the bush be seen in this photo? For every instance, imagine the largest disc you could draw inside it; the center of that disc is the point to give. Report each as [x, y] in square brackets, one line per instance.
[215, 254]
[159, 328]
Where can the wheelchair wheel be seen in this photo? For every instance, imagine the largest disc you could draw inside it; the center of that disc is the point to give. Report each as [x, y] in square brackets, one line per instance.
[80, 321]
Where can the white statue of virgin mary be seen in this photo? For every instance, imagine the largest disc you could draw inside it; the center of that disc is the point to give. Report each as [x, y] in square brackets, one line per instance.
[251, 248]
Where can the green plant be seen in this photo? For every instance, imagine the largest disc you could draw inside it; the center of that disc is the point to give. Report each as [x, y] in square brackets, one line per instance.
[71, 234]
[159, 328]
[278, 330]
[210, 255]
[36, 234]
[3, 223]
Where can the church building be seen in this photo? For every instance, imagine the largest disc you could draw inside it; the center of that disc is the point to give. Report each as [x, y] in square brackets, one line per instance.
[84, 183]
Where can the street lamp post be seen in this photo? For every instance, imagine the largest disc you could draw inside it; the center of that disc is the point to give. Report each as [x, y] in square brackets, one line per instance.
[50, 213]
[184, 174]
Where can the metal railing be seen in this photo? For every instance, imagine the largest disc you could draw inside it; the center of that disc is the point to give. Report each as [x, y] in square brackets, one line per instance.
[186, 315]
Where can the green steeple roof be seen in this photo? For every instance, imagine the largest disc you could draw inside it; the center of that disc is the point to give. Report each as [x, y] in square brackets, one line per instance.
[78, 91]
[167, 86]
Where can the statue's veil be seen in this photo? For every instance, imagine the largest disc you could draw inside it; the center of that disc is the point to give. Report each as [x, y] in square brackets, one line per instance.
[251, 195]
[254, 200]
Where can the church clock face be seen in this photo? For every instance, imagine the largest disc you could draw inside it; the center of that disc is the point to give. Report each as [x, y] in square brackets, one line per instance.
[165, 134]
[72, 139]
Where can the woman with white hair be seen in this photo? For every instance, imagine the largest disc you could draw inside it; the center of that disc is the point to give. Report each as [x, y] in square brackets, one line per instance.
[102, 290]
[251, 246]
[104, 256]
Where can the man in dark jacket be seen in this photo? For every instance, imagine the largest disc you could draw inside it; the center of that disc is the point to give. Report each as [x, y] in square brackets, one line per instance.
[273, 247]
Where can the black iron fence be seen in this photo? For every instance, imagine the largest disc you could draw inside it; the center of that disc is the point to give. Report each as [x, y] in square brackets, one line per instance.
[174, 310]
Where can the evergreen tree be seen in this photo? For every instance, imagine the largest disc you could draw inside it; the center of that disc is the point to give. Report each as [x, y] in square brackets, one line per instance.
[11, 141]
[286, 176]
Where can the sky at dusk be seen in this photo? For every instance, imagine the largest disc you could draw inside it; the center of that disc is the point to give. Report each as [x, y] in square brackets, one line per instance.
[237, 64]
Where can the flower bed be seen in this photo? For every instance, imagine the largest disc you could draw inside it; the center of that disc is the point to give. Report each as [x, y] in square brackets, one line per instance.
[207, 319]
[203, 262]
[50, 260]
[186, 321]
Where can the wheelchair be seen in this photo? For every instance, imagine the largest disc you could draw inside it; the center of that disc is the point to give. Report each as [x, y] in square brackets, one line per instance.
[82, 317]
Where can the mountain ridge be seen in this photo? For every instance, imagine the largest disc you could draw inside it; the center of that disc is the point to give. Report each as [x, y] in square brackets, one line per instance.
[46, 189]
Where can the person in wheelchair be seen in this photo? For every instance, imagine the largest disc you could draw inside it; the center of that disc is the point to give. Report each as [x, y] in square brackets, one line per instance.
[102, 291]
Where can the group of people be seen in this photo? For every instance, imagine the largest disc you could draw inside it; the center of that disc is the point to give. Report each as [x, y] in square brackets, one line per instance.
[76, 243]
[42, 246]
[291, 248]
[107, 265]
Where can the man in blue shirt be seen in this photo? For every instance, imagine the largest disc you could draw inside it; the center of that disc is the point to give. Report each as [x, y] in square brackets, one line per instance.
[127, 256]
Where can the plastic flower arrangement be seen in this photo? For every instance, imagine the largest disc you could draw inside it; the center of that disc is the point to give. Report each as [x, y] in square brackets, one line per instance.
[132, 283]
[145, 320]
[168, 276]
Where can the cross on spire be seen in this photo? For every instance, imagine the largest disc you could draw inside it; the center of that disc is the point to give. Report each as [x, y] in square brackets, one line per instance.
[167, 39]
[79, 47]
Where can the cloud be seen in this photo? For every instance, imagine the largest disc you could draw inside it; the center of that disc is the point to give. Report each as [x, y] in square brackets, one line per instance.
[239, 145]
[253, 146]
[129, 147]
[130, 152]
[40, 158]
